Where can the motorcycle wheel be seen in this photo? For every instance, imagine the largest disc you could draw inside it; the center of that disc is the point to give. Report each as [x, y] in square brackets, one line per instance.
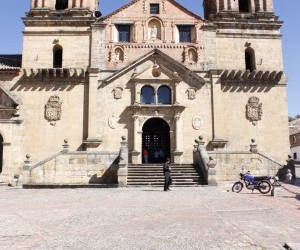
[237, 187]
[264, 187]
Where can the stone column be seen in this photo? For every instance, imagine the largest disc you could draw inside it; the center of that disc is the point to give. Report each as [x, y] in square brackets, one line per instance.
[173, 32]
[111, 28]
[123, 164]
[97, 63]
[176, 93]
[225, 5]
[92, 142]
[135, 152]
[32, 5]
[177, 132]
[5, 160]
[144, 32]
[165, 24]
[135, 132]
[270, 6]
[260, 6]
[135, 29]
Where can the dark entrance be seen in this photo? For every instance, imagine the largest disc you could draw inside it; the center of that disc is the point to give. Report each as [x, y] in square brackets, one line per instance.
[156, 137]
[1, 153]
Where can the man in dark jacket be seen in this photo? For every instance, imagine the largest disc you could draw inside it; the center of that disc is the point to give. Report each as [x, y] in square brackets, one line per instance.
[167, 173]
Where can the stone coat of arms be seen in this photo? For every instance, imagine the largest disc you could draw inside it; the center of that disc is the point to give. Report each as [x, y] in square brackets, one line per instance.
[254, 110]
[53, 109]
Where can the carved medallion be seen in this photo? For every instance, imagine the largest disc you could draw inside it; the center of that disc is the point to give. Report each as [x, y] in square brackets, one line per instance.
[53, 109]
[191, 93]
[254, 110]
[113, 121]
[196, 122]
[118, 92]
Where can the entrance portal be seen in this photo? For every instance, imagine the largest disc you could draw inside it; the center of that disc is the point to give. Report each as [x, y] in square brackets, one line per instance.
[156, 139]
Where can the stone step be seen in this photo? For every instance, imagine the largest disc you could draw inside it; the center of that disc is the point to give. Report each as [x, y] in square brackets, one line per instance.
[158, 184]
[152, 175]
[161, 174]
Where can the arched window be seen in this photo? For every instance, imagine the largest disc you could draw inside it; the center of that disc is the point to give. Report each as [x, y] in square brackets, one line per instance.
[250, 59]
[164, 95]
[244, 6]
[57, 56]
[147, 95]
[1, 153]
[61, 4]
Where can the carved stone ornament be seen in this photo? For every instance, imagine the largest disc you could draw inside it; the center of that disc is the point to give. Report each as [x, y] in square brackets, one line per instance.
[196, 122]
[53, 109]
[118, 92]
[254, 110]
[113, 121]
[191, 93]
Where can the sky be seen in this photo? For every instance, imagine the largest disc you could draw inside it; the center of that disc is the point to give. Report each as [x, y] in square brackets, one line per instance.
[288, 11]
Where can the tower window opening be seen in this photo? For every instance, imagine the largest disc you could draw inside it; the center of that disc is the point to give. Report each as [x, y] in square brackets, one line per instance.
[57, 56]
[61, 4]
[244, 6]
[250, 59]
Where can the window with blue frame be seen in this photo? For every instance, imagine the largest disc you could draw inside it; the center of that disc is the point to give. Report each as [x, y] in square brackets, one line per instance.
[164, 95]
[154, 8]
[124, 33]
[184, 33]
[147, 95]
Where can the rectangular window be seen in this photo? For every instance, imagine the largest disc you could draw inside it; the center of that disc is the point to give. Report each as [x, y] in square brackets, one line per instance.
[295, 156]
[124, 33]
[184, 34]
[154, 8]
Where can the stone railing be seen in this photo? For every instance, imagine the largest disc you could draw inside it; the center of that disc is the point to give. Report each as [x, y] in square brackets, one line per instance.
[220, 166]
[73, 168]
[206, 163]
[123, 163]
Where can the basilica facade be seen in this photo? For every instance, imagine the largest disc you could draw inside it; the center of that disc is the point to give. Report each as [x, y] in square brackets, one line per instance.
[151, 75]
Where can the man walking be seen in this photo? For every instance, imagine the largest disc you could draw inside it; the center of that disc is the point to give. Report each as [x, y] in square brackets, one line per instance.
[167, 174]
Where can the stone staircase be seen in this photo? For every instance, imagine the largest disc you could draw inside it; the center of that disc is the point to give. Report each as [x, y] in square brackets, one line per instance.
[152, 175]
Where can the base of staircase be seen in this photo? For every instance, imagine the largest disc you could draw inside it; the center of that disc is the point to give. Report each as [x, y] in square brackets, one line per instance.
[66, 186]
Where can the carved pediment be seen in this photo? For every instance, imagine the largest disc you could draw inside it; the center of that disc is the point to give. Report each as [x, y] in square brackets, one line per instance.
[157, 73]
[167, 7]
[156, 66]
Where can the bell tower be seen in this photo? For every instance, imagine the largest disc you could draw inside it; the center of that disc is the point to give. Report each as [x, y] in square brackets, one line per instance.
[249, 9]
[61, 5]
[56, 32]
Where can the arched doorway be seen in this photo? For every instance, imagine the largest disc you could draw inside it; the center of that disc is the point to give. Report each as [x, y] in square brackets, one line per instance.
[1, 153]
[156, 137]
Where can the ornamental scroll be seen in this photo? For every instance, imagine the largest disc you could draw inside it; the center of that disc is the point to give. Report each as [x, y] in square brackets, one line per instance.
[254, 110]
[53, 110]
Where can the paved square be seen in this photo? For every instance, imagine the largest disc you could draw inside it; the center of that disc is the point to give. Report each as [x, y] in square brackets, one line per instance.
[146, 218]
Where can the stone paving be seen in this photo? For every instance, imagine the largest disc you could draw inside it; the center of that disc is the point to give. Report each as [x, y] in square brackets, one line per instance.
[147, 218]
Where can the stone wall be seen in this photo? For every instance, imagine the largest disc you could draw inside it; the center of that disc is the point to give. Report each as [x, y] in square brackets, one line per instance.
[74, 168]
[230, 164]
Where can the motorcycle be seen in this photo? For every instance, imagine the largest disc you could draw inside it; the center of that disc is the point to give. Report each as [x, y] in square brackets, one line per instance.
[261, 183]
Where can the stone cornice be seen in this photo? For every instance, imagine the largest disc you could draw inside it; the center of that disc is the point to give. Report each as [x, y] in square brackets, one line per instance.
[55, 72]
[56, 32]
[154, 110]
[254, 77]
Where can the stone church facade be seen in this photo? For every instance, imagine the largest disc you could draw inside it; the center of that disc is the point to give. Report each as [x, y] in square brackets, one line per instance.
[151, 74]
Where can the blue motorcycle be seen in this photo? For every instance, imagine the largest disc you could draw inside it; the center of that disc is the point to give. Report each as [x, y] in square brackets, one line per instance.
[261, 183]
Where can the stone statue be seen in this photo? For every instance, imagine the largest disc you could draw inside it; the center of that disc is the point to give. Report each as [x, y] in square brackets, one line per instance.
[154, 32]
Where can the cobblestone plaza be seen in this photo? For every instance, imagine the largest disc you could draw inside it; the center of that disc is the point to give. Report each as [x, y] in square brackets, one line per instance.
[147, 218]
